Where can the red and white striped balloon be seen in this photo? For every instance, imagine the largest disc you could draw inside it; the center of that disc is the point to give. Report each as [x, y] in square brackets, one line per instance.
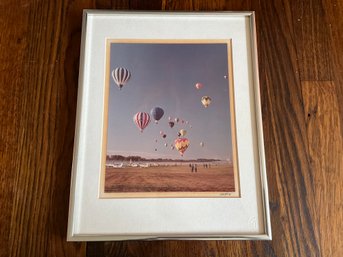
[141, 119]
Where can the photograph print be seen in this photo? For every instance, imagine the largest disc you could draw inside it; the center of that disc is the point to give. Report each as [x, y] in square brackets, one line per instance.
[169, 120]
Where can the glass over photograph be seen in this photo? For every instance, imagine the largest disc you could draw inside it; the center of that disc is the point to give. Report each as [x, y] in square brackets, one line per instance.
[169, 126]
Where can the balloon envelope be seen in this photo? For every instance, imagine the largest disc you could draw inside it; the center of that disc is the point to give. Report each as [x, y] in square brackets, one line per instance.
[201, 144]
[198, 85]
[121, 76]
[171, 124]
[182, 132]
[181, 144]
[141, 119]
[206, 100]
[157, 113]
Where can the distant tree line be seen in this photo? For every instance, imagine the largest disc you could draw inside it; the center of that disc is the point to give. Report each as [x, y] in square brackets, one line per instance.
[123, 158]
[140, 159]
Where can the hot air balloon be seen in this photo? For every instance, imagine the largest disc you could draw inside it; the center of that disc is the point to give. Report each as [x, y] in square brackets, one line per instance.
[164, 136]
[169, 118]
[181, 144]
[141, 119]
[206, 100]
[182, 132]
[161, 132]
[202, 144]
[176, 120]
[120, 76]
[172, 147]
[182, 121]
[171, 124]
[165, 144]
[198, 85]
[157, 113]
[225, 77]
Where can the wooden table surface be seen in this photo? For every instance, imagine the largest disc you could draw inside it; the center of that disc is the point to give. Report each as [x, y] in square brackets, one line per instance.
[300, 45]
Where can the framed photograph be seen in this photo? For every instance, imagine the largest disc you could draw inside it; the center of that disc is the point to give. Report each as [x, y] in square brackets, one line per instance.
[169, 141]
[170, 120]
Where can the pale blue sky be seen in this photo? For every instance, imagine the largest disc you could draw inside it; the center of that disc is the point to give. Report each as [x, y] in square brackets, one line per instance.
[165, 75]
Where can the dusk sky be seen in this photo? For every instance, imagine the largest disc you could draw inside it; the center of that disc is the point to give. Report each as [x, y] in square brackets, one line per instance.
[164, 75]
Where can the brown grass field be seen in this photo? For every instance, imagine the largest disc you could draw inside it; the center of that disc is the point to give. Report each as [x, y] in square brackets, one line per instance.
[218, 178]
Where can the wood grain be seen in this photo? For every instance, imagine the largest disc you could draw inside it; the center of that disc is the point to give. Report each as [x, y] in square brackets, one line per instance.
[300, 55]
[326, 159]
[333, 12]
[12, 40]
[284, 125]
[311, 36]
[44, 115]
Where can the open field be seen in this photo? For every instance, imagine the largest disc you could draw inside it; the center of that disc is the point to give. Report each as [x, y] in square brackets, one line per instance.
[170, 179]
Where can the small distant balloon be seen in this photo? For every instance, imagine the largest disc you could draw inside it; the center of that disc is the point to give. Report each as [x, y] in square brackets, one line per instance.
[171, 124]
[202, 144]
[155, 149]
[169, 118]
[176, 120]
[165, 144]
[225, 77]
[198, 85]
[182, 121]
[187, 121]
[206, 100]
[182, 132]
[161, 132]
[164, 136]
